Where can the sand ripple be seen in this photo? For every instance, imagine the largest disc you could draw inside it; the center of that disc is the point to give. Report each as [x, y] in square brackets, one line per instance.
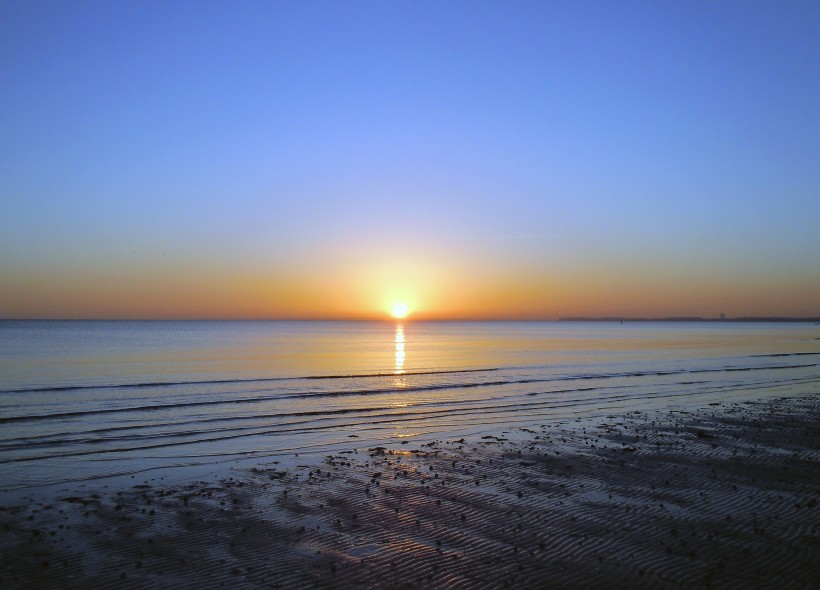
[725, 496]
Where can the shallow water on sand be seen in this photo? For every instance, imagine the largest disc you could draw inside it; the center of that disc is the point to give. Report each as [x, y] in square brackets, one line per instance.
[83, 400]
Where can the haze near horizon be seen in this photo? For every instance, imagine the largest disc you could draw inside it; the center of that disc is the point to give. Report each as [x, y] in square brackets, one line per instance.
[480, 160]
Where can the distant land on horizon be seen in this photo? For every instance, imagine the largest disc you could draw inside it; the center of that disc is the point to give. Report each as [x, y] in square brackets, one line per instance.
[691, 319]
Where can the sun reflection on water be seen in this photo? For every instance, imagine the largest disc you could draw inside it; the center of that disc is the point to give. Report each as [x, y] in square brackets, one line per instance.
[399, 382]
[400, 354]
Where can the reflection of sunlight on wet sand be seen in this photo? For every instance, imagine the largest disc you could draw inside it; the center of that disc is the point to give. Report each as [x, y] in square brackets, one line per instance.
[400, 354]
[407, 435]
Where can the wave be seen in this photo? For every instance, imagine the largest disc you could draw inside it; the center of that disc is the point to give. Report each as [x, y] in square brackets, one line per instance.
[237, 381]
[389, 390]
[784, 354]
[354, 376]
[490, 412]
[66, 437]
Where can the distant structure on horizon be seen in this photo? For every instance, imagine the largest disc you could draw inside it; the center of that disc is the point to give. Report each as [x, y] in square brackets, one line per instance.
[694, 319]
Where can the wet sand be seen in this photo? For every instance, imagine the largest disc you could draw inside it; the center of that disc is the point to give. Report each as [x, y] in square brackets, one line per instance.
[724, 496]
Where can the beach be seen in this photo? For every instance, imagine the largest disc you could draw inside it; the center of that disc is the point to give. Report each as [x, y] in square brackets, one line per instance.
[723, 495]
[409, 295]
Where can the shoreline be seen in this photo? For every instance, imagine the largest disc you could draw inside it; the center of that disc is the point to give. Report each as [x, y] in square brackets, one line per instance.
[719, 496]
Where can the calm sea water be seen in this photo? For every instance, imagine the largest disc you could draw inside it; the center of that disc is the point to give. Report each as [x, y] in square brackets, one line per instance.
[85, 400]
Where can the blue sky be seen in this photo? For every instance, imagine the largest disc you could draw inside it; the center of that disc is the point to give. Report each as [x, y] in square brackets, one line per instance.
[580, 145]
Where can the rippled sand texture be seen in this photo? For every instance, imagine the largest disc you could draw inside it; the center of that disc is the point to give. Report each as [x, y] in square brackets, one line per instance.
[723, 497]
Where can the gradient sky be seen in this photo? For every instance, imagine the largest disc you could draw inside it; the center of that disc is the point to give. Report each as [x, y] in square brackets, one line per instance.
[474, 159]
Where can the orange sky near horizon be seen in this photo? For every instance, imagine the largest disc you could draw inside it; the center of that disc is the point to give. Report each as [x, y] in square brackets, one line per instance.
[434, 293]
[480, 160]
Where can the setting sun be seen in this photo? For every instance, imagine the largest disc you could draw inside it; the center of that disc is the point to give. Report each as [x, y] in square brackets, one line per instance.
[399, 310]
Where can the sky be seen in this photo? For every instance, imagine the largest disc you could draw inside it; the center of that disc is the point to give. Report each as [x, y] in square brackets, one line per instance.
[473, 160]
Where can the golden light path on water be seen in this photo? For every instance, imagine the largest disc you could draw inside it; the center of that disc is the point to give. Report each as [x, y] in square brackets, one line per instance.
[400, 354]
[399, 381]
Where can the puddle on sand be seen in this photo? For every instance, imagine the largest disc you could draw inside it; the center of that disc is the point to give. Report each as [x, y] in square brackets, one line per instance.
[363, 550]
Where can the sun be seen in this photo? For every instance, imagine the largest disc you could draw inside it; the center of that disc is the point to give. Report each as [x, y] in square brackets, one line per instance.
[399, 310]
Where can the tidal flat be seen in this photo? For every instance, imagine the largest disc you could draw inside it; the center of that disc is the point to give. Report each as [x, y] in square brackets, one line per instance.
[719, 496]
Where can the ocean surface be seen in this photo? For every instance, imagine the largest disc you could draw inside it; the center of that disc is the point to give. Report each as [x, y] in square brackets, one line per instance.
[84, 400]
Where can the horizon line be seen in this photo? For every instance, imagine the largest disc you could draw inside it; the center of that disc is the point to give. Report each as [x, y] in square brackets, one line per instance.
[427, 319]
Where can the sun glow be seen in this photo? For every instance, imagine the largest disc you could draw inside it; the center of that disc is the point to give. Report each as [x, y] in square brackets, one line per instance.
[399, 310]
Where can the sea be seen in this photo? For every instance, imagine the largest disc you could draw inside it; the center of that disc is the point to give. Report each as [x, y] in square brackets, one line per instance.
[82, 401]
